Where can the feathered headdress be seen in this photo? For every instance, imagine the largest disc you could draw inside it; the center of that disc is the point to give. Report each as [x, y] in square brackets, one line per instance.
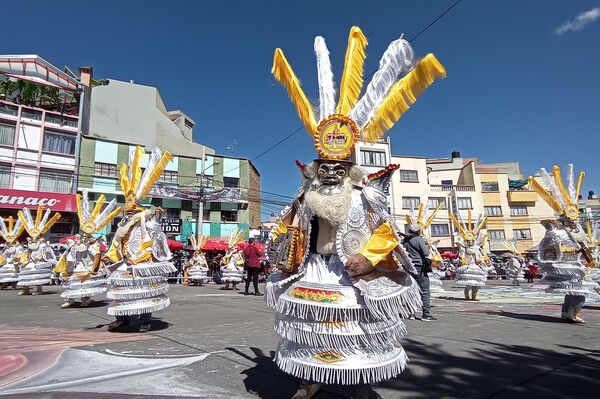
[92, 221]
[136, 185]
[198, 243]
[419, 218]
[592, 234]
[562, 199]
[42, 222]
[510, 247]
[467, 232]
[236, 237]
[393, 89]
[11, 233]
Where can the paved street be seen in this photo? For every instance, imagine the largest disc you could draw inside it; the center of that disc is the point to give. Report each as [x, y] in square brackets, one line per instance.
[218, 344]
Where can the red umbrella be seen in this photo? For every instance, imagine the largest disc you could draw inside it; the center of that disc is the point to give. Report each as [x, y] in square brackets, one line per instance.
[174, 245]
[242, 245]
[216, 244]
[449, 255]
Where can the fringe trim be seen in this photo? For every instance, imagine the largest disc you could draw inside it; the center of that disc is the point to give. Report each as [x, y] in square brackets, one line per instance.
[317, 336]
[330, 373]
[470, 283]
[33, 283]
[10, 279]
[153, 269]
[231, 280]
[403, 305]
[136, 281]
[78, 294]
[271, 296]
[136, 293]
[305, 310]
[114, 311]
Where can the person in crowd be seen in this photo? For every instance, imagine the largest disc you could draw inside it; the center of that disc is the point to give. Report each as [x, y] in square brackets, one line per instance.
[252, 256]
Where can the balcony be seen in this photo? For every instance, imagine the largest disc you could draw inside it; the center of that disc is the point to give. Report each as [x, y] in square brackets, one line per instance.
[448, 187]
[522, 196]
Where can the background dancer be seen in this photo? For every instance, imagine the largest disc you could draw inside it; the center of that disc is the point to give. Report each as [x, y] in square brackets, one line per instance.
[12, 255]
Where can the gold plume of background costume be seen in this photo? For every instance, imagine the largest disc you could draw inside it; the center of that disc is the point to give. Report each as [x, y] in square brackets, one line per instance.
[41, 224]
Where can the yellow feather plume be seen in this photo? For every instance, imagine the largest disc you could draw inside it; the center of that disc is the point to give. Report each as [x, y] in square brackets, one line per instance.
[97, 207]
[136, 170]
[50, 222]
[352, 77]
[550, 200]
[109, 218]
[282, 71]
[155, 175]
[125, 185]
[402, 95]
[432, 216]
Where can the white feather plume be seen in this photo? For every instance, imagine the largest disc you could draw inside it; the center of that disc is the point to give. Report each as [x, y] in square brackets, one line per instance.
[398, 59]
[28, 219]
[3, 227]
[112, 205]
[551, 187]
[153, 159]
[325, 75]
[85, 204]
[571, 183]
[44, 219]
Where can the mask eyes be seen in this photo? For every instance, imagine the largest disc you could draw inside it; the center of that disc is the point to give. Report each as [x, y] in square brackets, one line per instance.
[340, 172]
[321, 172]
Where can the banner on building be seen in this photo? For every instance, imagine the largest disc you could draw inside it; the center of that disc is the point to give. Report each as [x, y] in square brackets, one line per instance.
[18, 199]
[226, 194]
[171, 226]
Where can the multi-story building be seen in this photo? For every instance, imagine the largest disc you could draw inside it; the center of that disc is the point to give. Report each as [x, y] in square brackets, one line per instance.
[39, 116]
[73, 133]
[463, 184]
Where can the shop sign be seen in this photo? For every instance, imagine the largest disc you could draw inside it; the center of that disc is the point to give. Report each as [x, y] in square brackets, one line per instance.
[19, 199]
[171, 226]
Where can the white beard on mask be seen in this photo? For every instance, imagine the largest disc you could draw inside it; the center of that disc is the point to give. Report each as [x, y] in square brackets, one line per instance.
[333, 208]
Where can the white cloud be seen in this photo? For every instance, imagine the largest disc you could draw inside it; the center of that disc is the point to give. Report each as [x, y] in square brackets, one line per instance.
[580, 21]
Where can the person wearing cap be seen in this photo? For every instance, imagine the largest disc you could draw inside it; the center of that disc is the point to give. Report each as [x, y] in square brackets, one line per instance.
[419, 251]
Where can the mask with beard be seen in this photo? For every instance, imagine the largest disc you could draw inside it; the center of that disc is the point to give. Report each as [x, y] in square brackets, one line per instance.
[329, 195]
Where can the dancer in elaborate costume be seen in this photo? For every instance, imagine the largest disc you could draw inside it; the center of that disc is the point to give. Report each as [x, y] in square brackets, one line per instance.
[436, 286]
[475, 264]
[139, 249]
[563, 247]
[12, 256]
[40, 255]
[515, 270]
[592, 274]
[81, 264]
[343, 282]
[197, 265]
[232, 264]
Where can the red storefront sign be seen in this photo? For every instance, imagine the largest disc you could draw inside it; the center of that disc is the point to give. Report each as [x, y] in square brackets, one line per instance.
[18, 199]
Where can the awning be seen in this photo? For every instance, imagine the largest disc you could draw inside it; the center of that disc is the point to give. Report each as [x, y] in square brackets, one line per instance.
[35, 69]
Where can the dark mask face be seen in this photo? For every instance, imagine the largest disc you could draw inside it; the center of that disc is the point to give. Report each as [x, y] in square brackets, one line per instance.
[330, 177]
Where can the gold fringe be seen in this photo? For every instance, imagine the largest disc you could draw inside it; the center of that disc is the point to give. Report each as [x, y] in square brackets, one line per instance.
[110, 217]
[50, 223]
[402, 95]
[352, 77]
[282, 71]
[125, 185]
[550, 200]
[97, 208]
[561, 186]
[155, 175]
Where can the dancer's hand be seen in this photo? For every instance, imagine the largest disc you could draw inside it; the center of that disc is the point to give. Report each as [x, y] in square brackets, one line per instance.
[358, 265]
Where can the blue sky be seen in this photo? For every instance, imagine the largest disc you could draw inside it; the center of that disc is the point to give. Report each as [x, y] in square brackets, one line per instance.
[516, 89]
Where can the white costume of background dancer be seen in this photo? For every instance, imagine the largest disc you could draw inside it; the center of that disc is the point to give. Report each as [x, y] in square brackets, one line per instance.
[514, 271]
[40, 255]
[232, 268]
[13, 256]
[343, 282]
[139, 250]
[197, 265]
[475, 264]
[592, 274]
[563, 247]
[81, 264]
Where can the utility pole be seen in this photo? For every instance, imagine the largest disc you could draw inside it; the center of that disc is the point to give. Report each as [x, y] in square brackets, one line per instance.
[199, 220]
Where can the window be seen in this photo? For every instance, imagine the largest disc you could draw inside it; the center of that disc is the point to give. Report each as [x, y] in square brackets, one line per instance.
[496, 235]
[205, 181]
[168, 176]
[440, 230]
[372, 158]
[5, 176]
[490, 187]
[447, 182]
[31, 114]
[55, 182]
[172, 213]
[464, 203]
[522, 234]
[410, 202]
[231, 182]
[492, 210]
[434, 202]
[7, 134]
[105, 169]
[188, 123]
[518, 210]
[8, 109]
[62, 121]
[229, 216]
[410, 176]
[58, 142]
